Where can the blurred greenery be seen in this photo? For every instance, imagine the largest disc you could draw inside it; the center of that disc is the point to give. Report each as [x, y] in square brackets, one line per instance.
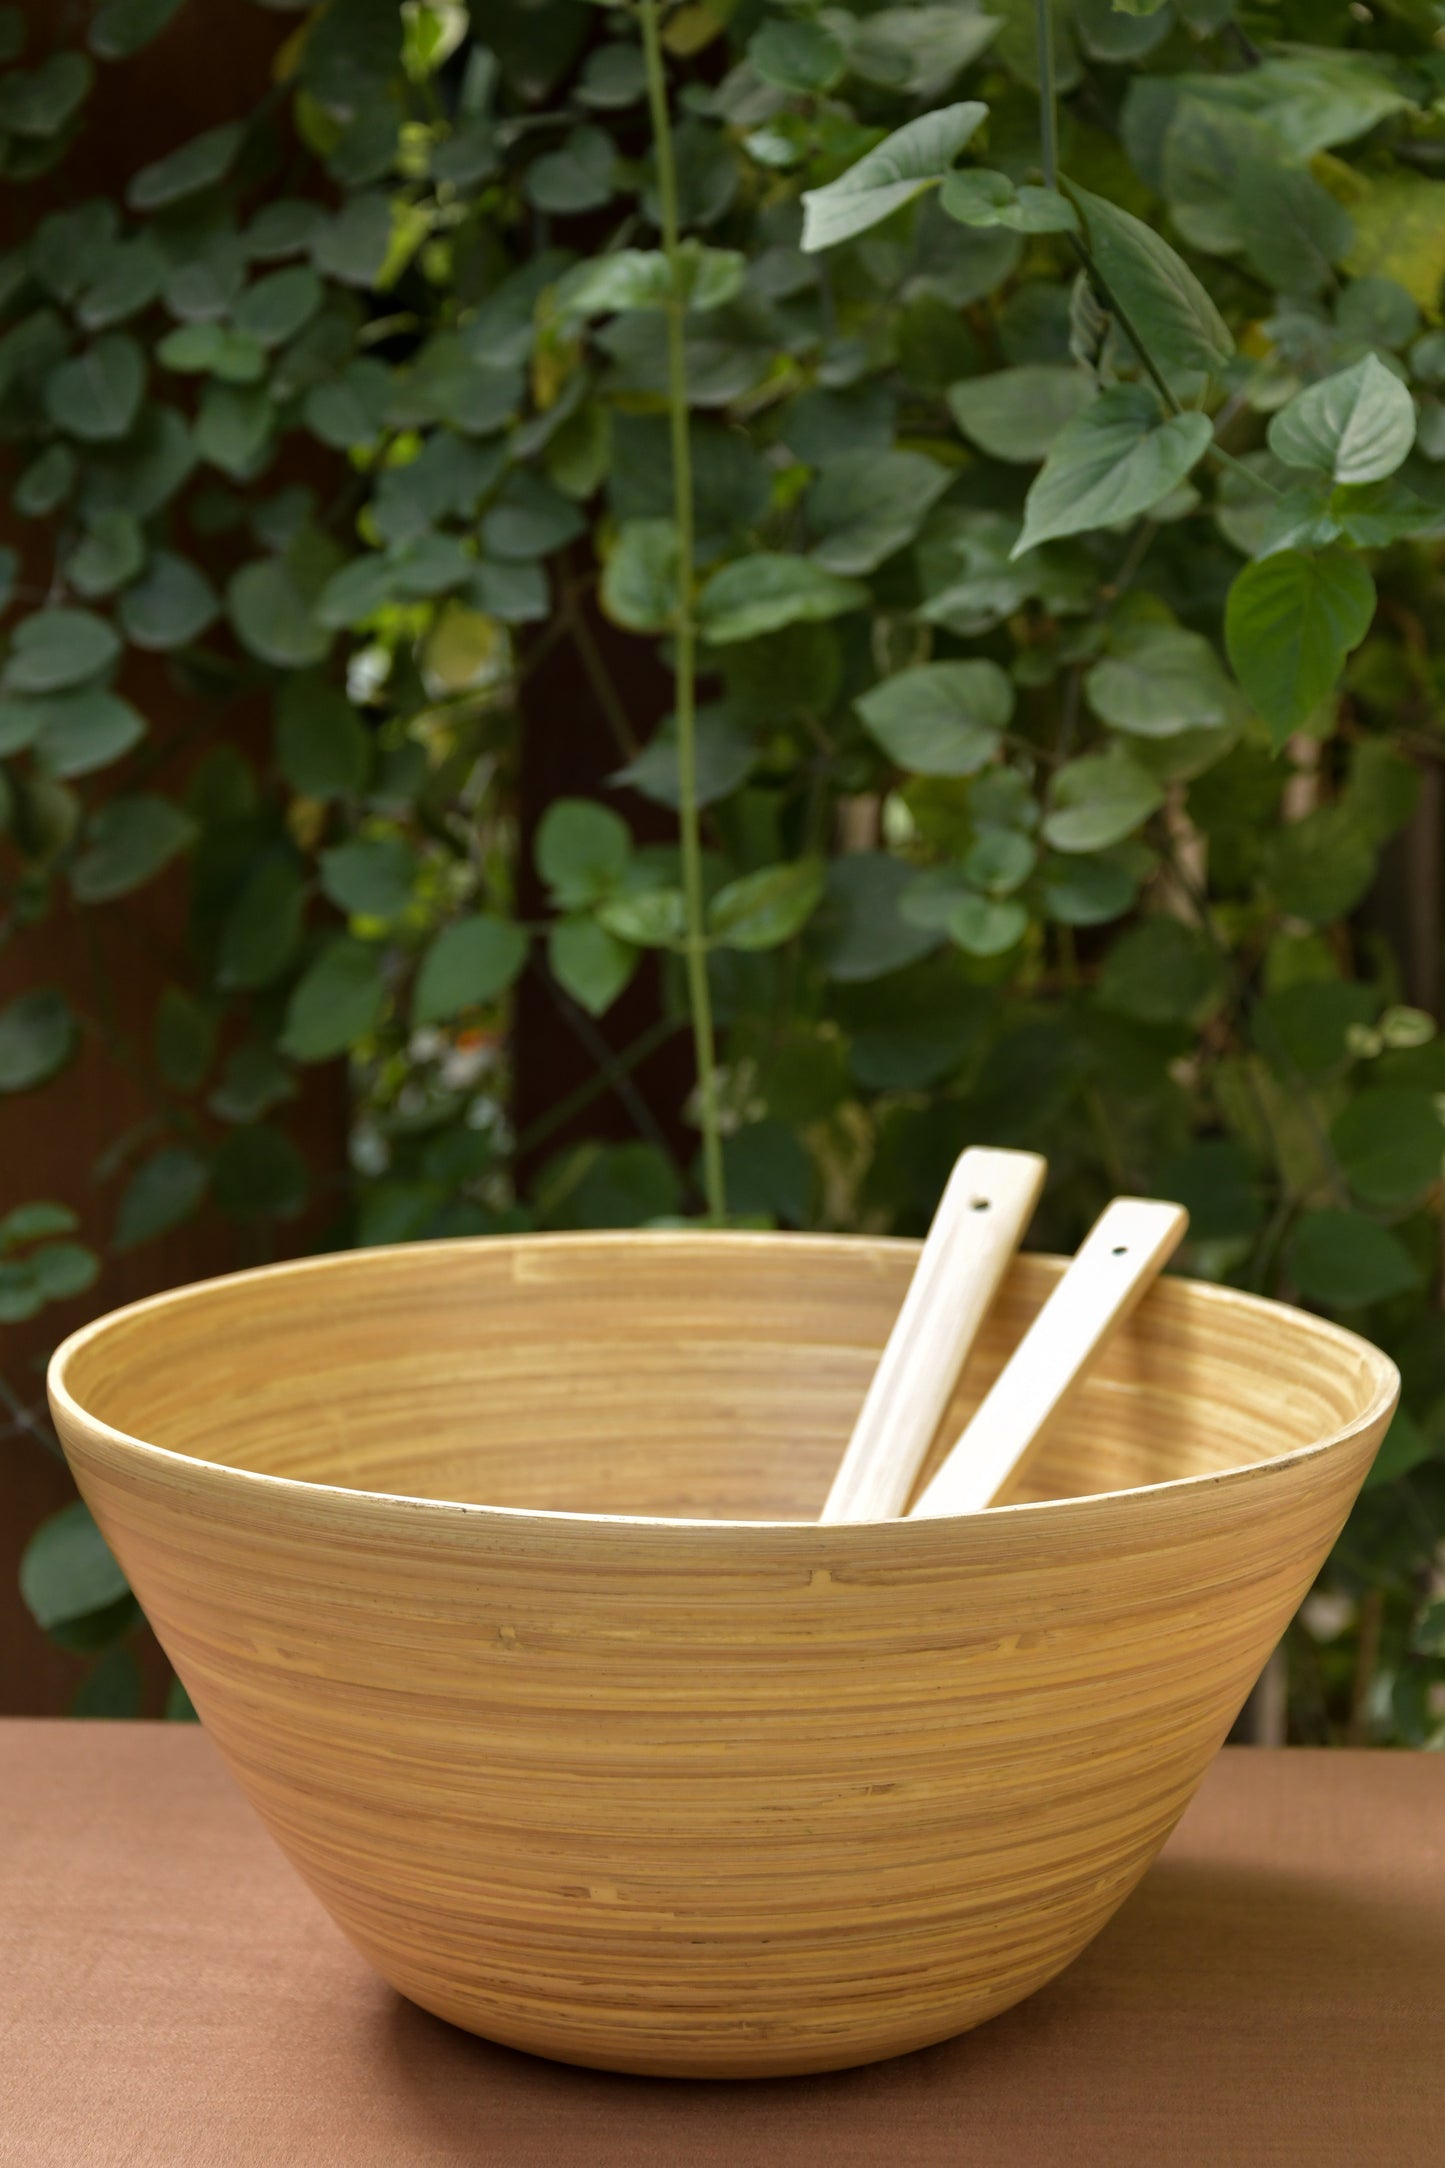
[1028, 458]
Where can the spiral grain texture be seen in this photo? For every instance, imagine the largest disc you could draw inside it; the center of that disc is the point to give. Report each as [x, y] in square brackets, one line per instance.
[674, 1779]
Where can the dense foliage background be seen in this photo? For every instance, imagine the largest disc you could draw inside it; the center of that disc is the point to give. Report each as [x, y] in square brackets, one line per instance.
[1040, 532]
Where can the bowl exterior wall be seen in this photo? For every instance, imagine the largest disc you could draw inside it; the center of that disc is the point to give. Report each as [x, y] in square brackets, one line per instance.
[714, 1800]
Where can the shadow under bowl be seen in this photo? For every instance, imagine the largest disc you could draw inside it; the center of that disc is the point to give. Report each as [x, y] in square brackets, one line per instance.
[676, 1780]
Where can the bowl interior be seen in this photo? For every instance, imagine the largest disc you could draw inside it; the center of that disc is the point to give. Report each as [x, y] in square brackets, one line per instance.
[691, 1375]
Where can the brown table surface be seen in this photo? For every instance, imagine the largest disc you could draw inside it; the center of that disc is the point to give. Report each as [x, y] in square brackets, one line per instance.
[172, 1997]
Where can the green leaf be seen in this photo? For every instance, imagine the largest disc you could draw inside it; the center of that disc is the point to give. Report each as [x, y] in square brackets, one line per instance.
[54, 649]
[130, 840]
[68, 1570]
[1391, 1145]
[802, 58]
[1310, 100]
[234, 427]
[906, 1032]
[581, 850]
[351, 53]
[63, 1269]
[577, 176]
[144, 473]
[45, 484]
[626, 278]
[371, 877]
[1293, 230]
[112, 1689]
[160, 1195]
[767, 1173]
[1320, 867]
[1357, 426]
[97, 395]
[1158, 682]
[589, 963]
[35, 1222]
[999, 861]
[259, 1174]
[21, 722]
[110, 551]
[211, 349]
[979, 197]
[467, 964]
[272, 616]
[617, 1185]
[1180, 326]
[352, 246]
[1289, 623]
[1217, 1184]
[275, 308]
[337, 1003]
[261, 931]
[252, 1082]
[648, 917]
[123, 27]
[198, 164]
[915, 157]
[529, 518]
[1303, 1030]
[940, 718]
[766, 908]
[986, 926]
[170, 605]
[915, 52]
[42, 102]
[859, 932]
[203, 287]
[1428, 1635]
[866, 506]
[1115, 460]
[129, 277]
[724, 757]
[639, 576]
[613, 76]
[1121, 29]
[1162, 972]
[1346, 1260]
[1099, 800]
[349, 412]
[185, 1040]
[323, 748]
[759, 594]
[1017, 413]
[37, 1038]
[86, 730]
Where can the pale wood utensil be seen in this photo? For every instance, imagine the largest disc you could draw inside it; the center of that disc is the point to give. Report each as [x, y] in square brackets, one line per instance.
[1118, 1260]
[980, 1221]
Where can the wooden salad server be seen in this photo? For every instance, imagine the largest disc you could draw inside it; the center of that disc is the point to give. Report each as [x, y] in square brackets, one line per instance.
[1118, 1260]
[979, 1224]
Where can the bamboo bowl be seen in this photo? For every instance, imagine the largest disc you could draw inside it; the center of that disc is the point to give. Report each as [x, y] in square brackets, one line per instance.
[676, 1780]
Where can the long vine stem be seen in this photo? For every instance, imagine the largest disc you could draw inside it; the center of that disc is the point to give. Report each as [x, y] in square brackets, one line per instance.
[685, 647]
[1048, 94]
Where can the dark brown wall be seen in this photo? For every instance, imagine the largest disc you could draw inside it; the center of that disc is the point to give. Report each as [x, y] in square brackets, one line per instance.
[212, 62]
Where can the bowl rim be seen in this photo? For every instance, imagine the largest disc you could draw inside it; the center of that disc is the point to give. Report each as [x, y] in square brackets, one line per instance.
[1382, 1402]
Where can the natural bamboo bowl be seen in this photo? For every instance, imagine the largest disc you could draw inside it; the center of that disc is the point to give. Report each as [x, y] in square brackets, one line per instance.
[726, 1793]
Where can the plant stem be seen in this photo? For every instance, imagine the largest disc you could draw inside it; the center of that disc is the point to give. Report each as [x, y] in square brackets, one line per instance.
[1048, 94]
[685, 652]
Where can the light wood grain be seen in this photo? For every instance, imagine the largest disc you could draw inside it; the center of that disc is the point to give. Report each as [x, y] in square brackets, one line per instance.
[727, 1794]
[1118, 1261]
[986, 1205]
